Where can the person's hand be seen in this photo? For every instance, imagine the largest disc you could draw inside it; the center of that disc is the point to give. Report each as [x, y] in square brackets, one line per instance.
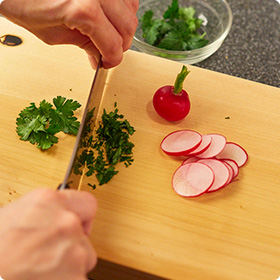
[44, 235]
[98, 26]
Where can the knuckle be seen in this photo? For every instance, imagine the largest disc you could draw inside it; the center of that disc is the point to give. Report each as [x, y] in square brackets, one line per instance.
[112, 62]
[68, 224]
[116, 46]
[80, 257]
[79, 15]
[93, 260]
[80, 254]
[114, 52]
[134, 24]
[44, 196]
[129, 32]
[135, 5]
[132, 4]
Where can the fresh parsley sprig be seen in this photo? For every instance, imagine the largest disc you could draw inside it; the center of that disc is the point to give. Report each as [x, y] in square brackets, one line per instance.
[177, 30]
[38, 125]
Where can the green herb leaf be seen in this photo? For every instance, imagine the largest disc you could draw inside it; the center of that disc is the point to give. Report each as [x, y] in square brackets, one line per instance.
[173, 40]
[66, 107]
[172, 11]
[39, 125]
[109, 145]
[178, 29]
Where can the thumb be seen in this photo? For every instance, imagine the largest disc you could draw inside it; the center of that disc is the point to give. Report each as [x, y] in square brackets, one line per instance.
[83, 204]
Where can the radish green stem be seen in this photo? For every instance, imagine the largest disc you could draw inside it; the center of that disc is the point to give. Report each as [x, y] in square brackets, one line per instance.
[178, 86]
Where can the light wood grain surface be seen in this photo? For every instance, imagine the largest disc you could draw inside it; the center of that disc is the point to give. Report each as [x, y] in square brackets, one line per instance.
[141, 222]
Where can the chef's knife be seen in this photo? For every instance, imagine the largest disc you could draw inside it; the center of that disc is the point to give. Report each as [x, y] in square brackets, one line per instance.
[73, 178]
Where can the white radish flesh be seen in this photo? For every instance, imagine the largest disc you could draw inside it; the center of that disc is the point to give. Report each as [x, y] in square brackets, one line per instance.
[181, 142]
[234, 152]
[234, 166]
[216, 146]
[192, 179]
[221, 172]
[203, 146]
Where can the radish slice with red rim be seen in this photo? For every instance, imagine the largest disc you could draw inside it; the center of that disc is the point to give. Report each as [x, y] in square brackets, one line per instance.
[216, 146]
[234, 166]
[180, 142]
[234, 152]
[190, 159]
[192, 179]
[231, 172]
[221, 173]
[203, 146]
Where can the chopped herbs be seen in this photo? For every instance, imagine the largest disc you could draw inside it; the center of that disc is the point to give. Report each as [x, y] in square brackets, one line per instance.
[38, 125]
[177, 30]
[102, 149]
[109, 145]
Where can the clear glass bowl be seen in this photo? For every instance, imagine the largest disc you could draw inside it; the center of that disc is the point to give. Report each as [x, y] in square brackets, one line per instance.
[217, 18]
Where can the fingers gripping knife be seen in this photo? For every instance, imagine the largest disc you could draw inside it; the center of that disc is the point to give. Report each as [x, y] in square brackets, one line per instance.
[73, 178]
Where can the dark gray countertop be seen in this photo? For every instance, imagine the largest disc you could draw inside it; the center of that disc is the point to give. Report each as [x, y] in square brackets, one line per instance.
[252, 48]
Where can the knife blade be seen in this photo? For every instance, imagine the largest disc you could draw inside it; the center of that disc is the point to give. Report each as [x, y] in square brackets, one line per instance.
[73, 178]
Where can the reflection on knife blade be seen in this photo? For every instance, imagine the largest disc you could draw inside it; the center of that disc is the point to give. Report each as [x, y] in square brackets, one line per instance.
[72, 180]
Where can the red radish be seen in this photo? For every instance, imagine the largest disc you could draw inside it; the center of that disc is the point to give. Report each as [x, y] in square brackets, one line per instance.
[180, 142]
[205, 143]
[234, 152]
[172, 102]
[221, 172]
[234, 166]
[216, 146]
[192, 179]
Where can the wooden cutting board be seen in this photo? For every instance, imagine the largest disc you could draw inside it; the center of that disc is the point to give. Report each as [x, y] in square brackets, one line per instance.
[141, 222]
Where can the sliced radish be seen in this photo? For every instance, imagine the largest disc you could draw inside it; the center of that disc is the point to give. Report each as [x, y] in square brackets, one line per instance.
[234, 166]
[216, 146]
[212, 162]
[203, 146]
[221, 172]
[231, 172]
[234, 152]
[190, 159]
[192, 179]
[181, 142]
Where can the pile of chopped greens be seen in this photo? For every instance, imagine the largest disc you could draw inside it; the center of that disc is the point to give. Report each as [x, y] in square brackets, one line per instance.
[102, 149]
[106, 147]
[177, 30]
[38, 125]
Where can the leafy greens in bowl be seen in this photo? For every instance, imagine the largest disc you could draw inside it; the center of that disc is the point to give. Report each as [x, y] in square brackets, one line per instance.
[177, 30]
[187, 31]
